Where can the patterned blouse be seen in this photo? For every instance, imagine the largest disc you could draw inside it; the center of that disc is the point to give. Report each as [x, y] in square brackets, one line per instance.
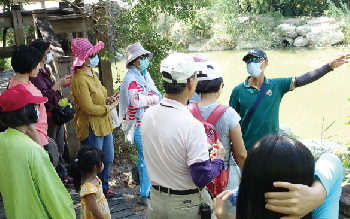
[88, 188]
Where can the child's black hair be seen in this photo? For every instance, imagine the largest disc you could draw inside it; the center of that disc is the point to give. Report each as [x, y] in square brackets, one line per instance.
[88, 157]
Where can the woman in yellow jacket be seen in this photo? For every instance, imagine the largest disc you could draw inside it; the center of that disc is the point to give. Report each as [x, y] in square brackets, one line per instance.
[93, 122]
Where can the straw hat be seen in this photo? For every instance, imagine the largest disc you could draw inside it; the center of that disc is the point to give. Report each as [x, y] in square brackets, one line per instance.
[135, 50]
[82, 49]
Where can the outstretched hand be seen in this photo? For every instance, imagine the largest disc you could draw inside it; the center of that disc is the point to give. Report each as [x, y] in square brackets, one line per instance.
[339, 60]
[298, 202]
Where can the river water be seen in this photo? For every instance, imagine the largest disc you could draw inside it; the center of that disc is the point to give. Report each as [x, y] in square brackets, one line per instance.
[305, 108]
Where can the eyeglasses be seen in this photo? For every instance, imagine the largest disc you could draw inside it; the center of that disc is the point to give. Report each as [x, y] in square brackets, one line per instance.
[93, 56]
[254, 60]
[223, 84]
[143, 57]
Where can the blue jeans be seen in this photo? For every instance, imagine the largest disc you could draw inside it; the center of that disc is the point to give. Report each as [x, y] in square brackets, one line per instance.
[104, 143]
[145, 187]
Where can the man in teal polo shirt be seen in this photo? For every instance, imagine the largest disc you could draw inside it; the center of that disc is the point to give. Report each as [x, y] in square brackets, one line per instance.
[265, 118]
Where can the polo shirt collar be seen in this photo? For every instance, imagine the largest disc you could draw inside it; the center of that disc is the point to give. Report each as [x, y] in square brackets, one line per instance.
[247, 84]
[173, 103]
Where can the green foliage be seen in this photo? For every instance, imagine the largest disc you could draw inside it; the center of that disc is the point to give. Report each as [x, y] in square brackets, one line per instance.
[138, 25]
[340, 12]
[238, 29]
[288, 8]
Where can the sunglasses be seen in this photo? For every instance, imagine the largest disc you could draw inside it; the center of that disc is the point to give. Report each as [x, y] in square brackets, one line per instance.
[93, 56]
[223, 84]
[254, 60]
[37, 105]
[143, 57]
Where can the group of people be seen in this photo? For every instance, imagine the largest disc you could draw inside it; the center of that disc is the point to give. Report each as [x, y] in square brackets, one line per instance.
[277, 177]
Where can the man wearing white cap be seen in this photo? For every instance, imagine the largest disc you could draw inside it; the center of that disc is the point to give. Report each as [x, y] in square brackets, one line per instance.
[176, 148]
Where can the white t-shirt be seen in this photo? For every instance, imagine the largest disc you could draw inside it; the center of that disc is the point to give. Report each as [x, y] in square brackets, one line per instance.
[172, 140]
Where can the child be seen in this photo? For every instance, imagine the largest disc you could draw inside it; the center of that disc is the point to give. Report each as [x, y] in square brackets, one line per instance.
[93, 202]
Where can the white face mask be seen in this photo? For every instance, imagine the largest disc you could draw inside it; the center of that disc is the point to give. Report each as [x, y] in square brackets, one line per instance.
[254, 69]
[48, 58]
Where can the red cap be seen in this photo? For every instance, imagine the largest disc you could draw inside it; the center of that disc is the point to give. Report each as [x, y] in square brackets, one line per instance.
[17, 97]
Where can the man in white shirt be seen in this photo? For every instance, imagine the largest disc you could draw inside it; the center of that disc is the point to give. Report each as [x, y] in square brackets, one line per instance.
[176, 148]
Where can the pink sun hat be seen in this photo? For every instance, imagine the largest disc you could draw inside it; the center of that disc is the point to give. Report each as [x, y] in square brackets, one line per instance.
[82, 49]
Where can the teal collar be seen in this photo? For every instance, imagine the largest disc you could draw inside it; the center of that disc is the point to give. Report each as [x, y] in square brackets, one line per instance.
[247, 84]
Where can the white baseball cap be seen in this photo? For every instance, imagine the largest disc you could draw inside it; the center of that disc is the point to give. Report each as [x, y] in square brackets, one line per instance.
[210, 72]
[180, 66]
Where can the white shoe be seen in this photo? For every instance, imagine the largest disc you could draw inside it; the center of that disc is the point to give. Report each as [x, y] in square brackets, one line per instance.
[144, 200]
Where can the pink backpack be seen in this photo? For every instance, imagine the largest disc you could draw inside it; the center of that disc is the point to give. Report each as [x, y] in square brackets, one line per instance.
[210, 130]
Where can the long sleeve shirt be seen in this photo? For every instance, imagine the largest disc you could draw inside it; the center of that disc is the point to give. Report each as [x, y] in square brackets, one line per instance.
[89, 98]
[44, 83]
[29, 184]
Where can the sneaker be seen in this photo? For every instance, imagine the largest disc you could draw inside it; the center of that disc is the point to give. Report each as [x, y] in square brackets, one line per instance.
[144, 200]
[68, 181]
[110, 194]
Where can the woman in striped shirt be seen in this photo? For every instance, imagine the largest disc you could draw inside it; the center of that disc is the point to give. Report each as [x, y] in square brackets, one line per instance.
[137, 93]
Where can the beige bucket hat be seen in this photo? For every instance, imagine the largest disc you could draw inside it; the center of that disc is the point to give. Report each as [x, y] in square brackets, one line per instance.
[135, 50]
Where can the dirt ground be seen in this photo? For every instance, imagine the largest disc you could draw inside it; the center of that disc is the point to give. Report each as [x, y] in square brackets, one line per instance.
[120, 177]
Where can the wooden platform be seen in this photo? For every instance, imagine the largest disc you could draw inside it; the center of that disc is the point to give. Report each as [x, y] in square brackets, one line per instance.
[118, 208]
[5, 77]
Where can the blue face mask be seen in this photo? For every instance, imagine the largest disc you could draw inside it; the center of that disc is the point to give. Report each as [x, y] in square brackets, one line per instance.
[94, 62]
[48, 58]
[254, 69]
[37, 115]
[144, 64]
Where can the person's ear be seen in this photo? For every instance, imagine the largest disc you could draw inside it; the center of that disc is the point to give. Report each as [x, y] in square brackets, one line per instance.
[266, 63]
[190, 84]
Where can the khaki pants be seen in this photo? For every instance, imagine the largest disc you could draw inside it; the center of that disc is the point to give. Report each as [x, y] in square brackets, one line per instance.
[167, 206]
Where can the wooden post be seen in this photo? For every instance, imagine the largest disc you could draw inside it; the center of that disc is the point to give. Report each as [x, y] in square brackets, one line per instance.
[4, 33]
[72, 142]
[104, 66]
[67, 37]
[17, 24]
[36, 14]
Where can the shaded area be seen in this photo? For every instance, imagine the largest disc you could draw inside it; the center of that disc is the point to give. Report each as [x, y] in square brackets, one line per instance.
[119, 208]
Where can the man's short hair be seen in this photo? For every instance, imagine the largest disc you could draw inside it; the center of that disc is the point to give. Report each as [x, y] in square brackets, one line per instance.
[25, 59]
[174, 88]
[23, 116]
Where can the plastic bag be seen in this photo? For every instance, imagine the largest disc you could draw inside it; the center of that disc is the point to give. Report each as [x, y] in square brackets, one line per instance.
[115, 118]
[129, 126]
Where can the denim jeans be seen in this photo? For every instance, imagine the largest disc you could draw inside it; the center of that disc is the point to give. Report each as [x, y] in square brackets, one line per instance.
[145, 186]
[105, 143]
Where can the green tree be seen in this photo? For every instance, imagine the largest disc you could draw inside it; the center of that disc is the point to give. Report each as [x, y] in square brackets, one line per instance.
[137, 24]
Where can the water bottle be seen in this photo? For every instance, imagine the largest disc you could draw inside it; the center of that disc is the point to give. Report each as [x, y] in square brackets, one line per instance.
[233, 198]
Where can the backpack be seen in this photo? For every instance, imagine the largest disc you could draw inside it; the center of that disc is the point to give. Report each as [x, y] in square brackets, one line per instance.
[218, 184]
[210, 130]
